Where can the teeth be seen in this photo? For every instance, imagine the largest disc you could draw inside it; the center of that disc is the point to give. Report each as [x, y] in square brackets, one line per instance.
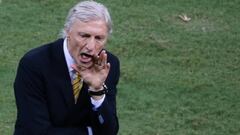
[85, 55]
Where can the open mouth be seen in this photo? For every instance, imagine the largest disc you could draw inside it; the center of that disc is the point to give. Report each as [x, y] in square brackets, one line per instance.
[85, 57]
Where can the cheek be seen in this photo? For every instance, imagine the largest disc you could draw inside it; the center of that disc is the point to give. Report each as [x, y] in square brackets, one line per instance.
[99, 48]
[77, 45]
[73, 49]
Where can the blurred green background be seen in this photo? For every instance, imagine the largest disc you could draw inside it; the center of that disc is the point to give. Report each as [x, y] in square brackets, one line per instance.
[177, 78]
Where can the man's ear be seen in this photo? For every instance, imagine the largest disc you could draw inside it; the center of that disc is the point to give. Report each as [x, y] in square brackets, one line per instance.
[67, 32]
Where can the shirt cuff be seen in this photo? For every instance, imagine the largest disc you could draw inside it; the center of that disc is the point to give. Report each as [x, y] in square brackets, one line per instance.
[97, 103]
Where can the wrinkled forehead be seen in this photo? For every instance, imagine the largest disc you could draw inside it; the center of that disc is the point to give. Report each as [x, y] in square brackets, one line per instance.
[98, 27]
[94, 23]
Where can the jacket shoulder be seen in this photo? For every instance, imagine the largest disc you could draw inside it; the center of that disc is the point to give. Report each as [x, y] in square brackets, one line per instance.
[114, 68]
[41, 53]
[112, 57]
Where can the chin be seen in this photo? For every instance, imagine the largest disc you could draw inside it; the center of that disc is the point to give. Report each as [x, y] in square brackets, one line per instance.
[85, 65]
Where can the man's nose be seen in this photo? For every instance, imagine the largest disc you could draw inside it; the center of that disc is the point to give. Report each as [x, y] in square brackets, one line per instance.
[91, 44]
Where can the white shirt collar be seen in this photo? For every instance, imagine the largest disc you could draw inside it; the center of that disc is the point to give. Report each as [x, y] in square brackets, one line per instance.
[68, 57]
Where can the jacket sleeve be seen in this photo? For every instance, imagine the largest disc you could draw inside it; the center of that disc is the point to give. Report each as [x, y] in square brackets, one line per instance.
[104, 118]
[32, 109]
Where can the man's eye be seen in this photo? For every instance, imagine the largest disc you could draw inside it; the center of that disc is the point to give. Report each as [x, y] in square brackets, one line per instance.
[99, 38]
[84, 35]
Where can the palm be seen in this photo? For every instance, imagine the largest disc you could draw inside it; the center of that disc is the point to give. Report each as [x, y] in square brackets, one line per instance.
[96, 75]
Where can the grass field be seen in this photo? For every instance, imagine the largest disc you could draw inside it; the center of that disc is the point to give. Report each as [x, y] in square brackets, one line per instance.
[177, 78]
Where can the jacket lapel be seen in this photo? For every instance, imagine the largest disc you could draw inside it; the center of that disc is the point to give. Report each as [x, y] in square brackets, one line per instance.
[61, 72]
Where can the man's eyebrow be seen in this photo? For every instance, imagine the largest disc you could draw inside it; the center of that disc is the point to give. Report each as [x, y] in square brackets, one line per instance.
[83, 33]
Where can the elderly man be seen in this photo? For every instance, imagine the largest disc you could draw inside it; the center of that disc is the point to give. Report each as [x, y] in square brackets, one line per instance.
[68, 87]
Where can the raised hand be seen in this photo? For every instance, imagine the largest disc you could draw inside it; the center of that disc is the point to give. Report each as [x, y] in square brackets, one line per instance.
[96, 74]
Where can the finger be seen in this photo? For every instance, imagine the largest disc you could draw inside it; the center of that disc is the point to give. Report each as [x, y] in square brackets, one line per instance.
[104, 61]
[101, 66]
[108, 66]
[75, 67]
[101, 57]
[78, 68]
[81, 68]
[95, 59]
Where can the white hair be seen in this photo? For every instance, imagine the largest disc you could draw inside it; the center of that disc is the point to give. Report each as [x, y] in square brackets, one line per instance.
[86, 11]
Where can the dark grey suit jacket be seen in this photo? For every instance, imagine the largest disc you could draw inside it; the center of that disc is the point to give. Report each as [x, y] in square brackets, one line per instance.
[45, 102]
